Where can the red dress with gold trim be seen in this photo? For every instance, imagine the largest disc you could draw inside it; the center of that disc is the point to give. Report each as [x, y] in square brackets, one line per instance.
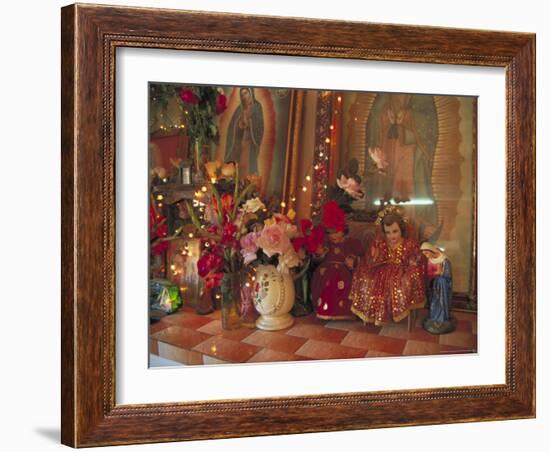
[331, 281]
[390, 284]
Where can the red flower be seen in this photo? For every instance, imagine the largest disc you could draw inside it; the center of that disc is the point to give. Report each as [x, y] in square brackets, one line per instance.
[229, 232]
[188, 96]
[312, 237]
[207, 263]
[162, 230]
[213, 229]
[213, 280]
[305, 225]
[315, 239]
[333, 217]
[227, 203]
[159, 247]
[298, 243]
[221, 104]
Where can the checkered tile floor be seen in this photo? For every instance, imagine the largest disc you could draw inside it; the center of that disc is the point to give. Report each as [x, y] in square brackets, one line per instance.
[192, 339]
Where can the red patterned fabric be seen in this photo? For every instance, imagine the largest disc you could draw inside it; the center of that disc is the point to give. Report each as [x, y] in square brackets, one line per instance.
[389, 283]
[331, 281]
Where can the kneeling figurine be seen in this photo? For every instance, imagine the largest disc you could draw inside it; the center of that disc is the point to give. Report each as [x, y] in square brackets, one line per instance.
[440, 290]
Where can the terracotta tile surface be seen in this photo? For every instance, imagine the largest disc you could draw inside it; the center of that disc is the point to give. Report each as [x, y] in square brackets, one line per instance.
[310, 320]
[275, 340]
[191, 339]
[187, 320]
[158, 326]
[421, 348]
[459, 315]
[226, 349]
[266, 355]
[464, 326]
[328, 350]
[452, 349]
[209, 360]
[401, 331]
[214, 328]
[181, 337]
[367, 341]
[181, 355]
[377, 354]
[317, 332]
[353, 325]
[458, 338]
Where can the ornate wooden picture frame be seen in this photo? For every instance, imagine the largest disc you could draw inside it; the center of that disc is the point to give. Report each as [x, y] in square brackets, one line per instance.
[90, 38]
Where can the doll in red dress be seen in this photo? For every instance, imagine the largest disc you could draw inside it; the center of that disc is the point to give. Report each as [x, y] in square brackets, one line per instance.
[331, 282]
[389, 283]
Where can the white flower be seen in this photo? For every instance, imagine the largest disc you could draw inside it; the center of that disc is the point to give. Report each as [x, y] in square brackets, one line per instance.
[253, 205]
[288, 260]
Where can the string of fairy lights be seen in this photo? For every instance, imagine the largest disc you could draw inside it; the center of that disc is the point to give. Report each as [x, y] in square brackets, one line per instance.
[314, 182]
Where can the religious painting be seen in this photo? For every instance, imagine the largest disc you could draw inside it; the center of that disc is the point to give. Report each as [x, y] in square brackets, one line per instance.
[292, 224]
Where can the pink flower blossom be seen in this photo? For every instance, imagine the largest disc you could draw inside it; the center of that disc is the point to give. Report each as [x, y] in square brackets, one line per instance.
[249, 246]
[273, 240]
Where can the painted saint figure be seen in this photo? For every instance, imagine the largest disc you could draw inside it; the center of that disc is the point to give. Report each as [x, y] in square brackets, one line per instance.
[245, 133]
[389, 283]
[440, 290]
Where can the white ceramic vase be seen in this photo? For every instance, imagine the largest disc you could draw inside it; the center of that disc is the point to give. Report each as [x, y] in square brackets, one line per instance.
[273, 298]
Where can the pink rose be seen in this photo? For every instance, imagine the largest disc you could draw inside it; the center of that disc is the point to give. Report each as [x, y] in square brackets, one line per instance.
[249, 246]
[273, 240]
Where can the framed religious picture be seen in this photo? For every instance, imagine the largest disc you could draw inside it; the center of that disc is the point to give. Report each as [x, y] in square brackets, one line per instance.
[292, 207]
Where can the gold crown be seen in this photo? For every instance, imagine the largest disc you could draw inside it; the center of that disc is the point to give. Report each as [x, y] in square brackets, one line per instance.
[390, 209]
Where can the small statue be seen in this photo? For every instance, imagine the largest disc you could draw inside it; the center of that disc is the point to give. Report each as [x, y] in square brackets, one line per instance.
[440, 290]
[331, 280]
[389, 284]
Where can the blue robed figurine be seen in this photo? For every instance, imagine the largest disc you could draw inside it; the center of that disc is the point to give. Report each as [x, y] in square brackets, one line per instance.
[440, 290]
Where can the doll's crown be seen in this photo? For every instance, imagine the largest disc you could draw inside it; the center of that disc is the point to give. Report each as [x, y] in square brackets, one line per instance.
[390, 209]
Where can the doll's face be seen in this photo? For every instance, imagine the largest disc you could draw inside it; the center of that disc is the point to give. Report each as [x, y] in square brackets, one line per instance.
[393, 233]
[336, 237]
[430, 254]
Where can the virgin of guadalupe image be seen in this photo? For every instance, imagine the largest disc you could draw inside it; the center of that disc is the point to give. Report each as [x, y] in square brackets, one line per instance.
[402, 130]
[245, 133]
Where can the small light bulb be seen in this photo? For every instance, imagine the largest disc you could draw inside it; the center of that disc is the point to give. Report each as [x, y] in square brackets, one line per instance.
[327, 140]
[308, 178]
[172, 267]
[283, 204]
[339, 98]
[191, 235]
[204, 189]
[331, 127]
[304, 188]
[160, 197]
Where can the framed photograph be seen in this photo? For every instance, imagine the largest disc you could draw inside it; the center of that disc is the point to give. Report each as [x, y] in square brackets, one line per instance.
[282, 225]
